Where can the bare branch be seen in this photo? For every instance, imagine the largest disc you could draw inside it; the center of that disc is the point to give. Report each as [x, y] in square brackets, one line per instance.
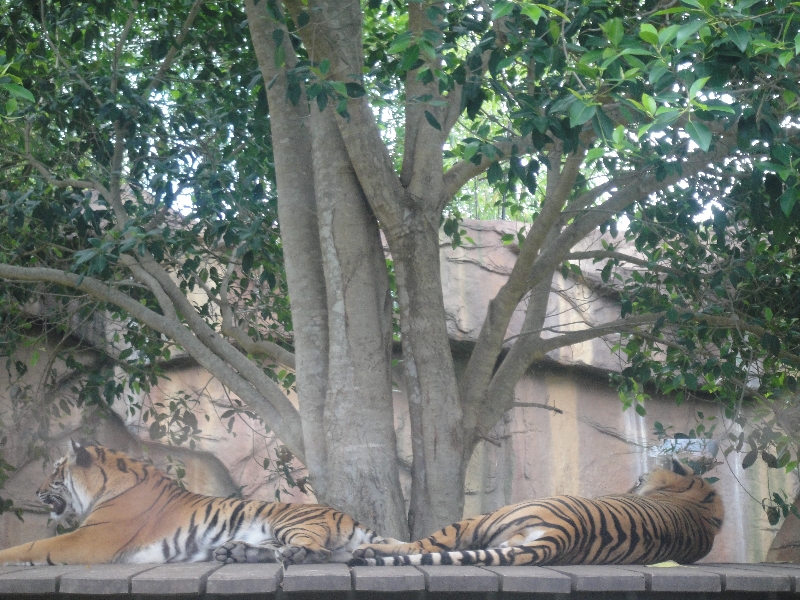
[229, 328]
[538, 405]
[502, 306]
[52, 179]
[629, 188]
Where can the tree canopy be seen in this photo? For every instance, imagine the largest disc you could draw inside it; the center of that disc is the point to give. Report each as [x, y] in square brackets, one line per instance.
[195, 170]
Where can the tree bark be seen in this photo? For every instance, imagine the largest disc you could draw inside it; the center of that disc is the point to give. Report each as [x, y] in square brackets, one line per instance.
[437, 428]
[297, 213]
[359, 418]
[341, 306]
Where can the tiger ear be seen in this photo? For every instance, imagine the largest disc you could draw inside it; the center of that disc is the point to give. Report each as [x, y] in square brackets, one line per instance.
[680, 469]
[82, 457]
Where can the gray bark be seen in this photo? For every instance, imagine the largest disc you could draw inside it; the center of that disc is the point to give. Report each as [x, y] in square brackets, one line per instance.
[302, 253]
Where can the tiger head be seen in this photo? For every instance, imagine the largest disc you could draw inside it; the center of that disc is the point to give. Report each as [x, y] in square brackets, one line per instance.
[85, 476]
[679, 484]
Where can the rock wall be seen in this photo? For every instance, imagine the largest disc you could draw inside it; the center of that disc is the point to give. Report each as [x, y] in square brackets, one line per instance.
[568, 434]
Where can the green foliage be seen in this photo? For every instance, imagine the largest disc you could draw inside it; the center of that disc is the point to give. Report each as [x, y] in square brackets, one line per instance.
[183, 143]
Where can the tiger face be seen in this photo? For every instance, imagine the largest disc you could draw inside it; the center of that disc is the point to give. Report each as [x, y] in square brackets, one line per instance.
[55, 493]
[77, 483]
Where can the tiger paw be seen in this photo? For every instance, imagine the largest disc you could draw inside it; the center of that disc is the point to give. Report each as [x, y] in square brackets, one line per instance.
[242, 552]
[295, 555]
[365, 552]
[291, 555]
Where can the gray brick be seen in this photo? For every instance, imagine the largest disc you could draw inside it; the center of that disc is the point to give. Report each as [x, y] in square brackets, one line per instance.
[450, 578]
[330, 577]
[677, 579]
[387, 579]
[737, 578]
[177, 578]
[602, 578]
[262, 578]
[101, 579]
[34, 580]
[531, 580]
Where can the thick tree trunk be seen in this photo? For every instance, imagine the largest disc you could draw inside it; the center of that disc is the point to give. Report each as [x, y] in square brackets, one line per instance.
[438, 437]
[297, 212]
[359, 421]
[341, 307]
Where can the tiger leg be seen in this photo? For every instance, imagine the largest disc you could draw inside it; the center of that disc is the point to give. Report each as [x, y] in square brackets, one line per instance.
[237, 551]
[74, 548]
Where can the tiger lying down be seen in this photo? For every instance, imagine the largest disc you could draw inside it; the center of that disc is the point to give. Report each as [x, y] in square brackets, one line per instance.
[669, 515]
[133, 513]
[130, 512]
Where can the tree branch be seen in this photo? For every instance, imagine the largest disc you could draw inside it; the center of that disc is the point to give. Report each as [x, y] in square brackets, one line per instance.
[463, 171]
[502, 306]
[173, 51]
[285, 423]
[622, 257]
[630, 188]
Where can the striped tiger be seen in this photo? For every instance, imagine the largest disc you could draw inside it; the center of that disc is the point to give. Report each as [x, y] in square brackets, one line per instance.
[130, 512]
[669, 515]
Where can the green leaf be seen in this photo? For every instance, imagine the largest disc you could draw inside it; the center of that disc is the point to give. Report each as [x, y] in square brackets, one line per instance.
[354, 90]
[649, 34]
[697, 86]
[18, 91]
[432, 121]
[400, 43]
[788, 200]
[700, 134]
[750, 458]
[11, 106]
[640, 410]
[739, 36]
[649, 104]
[533, 12]
[501, 9]
[580, 112]
[687, 31]
[665, 35]
[594, 154]
[768, 313]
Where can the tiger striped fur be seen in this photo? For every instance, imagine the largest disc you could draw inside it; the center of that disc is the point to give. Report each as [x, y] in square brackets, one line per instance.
[669, 515]
[133, 513]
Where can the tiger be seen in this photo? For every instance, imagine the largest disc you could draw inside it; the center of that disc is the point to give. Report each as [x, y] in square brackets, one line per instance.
[130, 512]
[670, 515]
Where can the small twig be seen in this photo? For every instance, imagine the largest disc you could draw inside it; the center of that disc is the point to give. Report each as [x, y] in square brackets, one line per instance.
[538, 405]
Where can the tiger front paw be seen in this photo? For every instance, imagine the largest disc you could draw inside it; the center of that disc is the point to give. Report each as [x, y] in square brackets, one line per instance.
[236, 551]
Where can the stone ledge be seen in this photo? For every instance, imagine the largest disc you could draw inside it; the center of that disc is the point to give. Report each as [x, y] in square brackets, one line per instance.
[270, 580]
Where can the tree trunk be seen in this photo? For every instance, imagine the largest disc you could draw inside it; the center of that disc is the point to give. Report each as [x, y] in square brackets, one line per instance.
[359, 419]
[438, 437]
[301, 246]
[341, 306]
